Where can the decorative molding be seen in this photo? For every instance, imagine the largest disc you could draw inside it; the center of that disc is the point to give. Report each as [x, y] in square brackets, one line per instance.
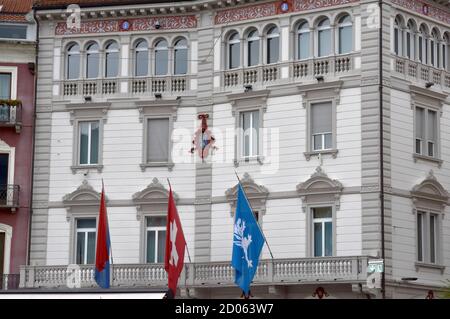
[248, 100]
[88, 110]
[83, 196]
[154, 197]
[158, 107]
[273, 8]
[256, 194]
[430, 190]
[320, 185]
[136, 24]
[418, 6]
[322, 91]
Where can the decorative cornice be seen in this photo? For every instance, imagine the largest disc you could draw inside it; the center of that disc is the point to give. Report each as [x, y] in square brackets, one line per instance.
[256, 194]
[154, 193]
[427, 92]
[134, 24]
[430, 189]
[84, 195]
[424, 8]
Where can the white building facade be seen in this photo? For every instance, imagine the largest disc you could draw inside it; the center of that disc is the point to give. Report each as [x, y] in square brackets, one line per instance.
[290, 92]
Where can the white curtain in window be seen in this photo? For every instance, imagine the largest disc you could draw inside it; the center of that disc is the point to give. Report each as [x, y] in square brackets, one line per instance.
[321, 118]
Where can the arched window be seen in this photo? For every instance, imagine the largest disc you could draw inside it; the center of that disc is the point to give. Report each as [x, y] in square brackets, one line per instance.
[303, 41]
[445, 52]
[234, 51]
[141, 58]
[410, 40]
[252, 48]
[434, 52]
[345, 35]
[92, 60]
[73, 61]
[423, 45]
[112, 60]
[180, 57]
[273, 45]
[398, 38]
[161, 57]
[324, 37]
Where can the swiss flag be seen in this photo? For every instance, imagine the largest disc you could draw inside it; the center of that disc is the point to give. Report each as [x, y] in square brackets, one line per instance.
[175, 245]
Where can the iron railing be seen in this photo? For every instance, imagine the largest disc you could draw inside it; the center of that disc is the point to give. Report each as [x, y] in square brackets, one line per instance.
[11, 114]
[9, 196]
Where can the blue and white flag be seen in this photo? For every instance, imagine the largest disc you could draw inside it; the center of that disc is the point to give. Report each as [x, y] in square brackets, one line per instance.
[248, 242]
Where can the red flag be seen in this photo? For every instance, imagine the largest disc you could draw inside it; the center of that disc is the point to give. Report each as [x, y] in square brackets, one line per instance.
[175, 245]
[103, 246]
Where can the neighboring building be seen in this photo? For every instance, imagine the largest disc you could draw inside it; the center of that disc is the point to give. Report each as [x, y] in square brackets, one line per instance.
[17, 83]
[301, 79]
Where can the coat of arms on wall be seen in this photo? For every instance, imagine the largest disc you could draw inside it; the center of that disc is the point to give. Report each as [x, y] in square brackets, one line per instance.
[203, 140]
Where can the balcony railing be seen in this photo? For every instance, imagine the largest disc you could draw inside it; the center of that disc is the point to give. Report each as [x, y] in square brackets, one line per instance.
[249, 75]
[418, 72]
[9, 196]
[212, 274]
[11, 114]
[173, 84]
[9, 282]
[328, 66]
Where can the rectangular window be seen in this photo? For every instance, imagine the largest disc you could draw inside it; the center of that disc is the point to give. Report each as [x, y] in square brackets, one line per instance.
[5, 86]
[234, 58]
[272, 50]
[303, 45]
[4, 172]
[322, 231]
[11, 31]
[253, 53]
[249, 122]
[433, 219]
[420, 49]
[420, 236]
[408, 45]
[345, 39]
[432, 133]
[156, 239]
[426, 140]
[324, 43]
[321, 126]
[420, 129]
[88, 142]
[85, 241]
[396, 46]
[158, 140]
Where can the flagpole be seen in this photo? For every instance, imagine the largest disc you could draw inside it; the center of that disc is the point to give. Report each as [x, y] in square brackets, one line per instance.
[265, 239]
[187, 249]
[110, 244]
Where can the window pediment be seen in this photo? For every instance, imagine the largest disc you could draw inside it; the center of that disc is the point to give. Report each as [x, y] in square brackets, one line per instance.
[430, 191]
[319, 188]
[256, 194]
[248, 100]
[83, 195]
[152, 199]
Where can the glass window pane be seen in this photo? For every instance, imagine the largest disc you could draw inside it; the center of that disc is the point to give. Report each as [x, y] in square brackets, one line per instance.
[91, 248]
[159, 221]
[151, 246]
[255, 133]
[408, 45]
[235, 55]
[161, 245]
[328, 141]
[112, 64]
[418, 146]
[94, 142]
[253, 52]
[5, 86]
[396, 42]
[328, 239]
[419, 237]
[303, 45]
[272, 50]
[84, 142]
[161, 62]
[141, 63]
[73, 66]
[158, 140]
[324, 42]
[318, 240]
[92, 65]
[420, 49]
[431, 149]
[321, 118]
[9, 31]
[317, 141]
[345, 39]
[420, 123]
[432, 52]
[433, 238]
[322, 212]
[80, 248]
[86, 223]
[432, 126]
[181, 61]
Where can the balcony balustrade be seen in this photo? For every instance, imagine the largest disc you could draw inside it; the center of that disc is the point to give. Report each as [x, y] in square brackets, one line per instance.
[211, 274]
[9, 281]
[9, 196]
[11, 114]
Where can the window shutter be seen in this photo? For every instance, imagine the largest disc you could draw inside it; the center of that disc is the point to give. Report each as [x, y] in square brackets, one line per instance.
[321, 118]
[158, 140]
[432, 126]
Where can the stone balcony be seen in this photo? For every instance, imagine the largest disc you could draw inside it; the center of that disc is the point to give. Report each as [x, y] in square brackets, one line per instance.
[212, 274]
[418, 72]
[11, 114]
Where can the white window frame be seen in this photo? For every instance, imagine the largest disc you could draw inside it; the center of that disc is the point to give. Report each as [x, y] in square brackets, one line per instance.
[228, 50]
[425, 142]
[249, 132]
[156, 229]
[426, 236]
[271, 36]
[321, 221]
[309, 209]
[11, 151]
[105, 63]
[324, 28]
[98, 52]
[66, 61]
[89, 142]
[181, 47]
[297, 40]
[249, 39]
[338, 30]
[161, 48]
[86, 232]
[135, 52]
[13, 71]
[8, 231]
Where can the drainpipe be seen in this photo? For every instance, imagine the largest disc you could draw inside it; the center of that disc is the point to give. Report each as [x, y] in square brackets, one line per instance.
[383, 274]
[33, 136]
